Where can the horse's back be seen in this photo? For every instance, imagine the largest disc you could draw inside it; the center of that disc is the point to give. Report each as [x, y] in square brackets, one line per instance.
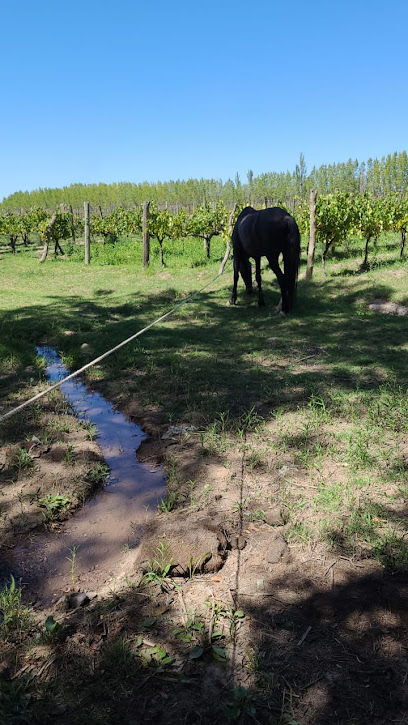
[264, 231]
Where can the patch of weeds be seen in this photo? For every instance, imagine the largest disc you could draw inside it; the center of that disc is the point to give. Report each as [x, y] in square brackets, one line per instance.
[54, 504]
[168, 504]
[22, 459]
[300, 532]
[97, 474]
[69, 455]
[173, 477]
[91, 429]
[119, 660]
[155, 657]
[59, 426]
[250, 420]
[53, 631]
[14, 616]
[256, 516]
[192, 630]
[330, 497]
[265, 680]
[241, 506]
[242, 703]
[205, 493]
[359, 444]
[15, 702]
[195, 566]
[389, 409]
[392, 551]
[233, 616]
[160, 566]
[363, 522]
[255, 460]
[318, 408]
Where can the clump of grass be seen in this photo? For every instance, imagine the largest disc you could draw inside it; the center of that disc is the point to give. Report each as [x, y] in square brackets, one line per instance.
[159, 567]
[97, 474]
[14, 616]
[168, 504]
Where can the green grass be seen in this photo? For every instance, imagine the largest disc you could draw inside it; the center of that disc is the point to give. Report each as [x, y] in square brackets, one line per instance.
[323, 390]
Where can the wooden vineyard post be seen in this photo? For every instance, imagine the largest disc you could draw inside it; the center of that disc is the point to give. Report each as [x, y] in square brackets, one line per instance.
[312, 236]
[71, 216]
[87, 233]
[146, 237]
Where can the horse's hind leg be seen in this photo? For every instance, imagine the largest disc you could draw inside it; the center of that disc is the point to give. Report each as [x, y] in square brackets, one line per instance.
[261, 301]
[283, 303]
[233, 298]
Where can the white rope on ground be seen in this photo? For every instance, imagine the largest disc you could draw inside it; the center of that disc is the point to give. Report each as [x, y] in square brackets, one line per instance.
[105, 354]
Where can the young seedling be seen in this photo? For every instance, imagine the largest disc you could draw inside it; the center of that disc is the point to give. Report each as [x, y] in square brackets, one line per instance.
[72, 559]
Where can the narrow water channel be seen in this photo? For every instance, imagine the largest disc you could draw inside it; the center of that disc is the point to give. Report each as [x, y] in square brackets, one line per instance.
[109, 527]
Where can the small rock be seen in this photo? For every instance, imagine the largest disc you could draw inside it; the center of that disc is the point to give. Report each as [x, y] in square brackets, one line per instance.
[274, 517]
[175, 430]
[278, 551]
[77, 599]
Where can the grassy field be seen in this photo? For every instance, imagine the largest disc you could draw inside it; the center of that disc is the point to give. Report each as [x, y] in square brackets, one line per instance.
[313, 405]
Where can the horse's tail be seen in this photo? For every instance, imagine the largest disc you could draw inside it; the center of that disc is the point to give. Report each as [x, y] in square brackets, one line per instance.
[291, 259]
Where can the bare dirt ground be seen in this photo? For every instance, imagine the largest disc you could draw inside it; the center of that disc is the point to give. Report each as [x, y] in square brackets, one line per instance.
[239, 623]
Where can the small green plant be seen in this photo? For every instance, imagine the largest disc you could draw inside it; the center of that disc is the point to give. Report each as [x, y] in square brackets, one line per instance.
[192, 630]
[156, 657]
[54, 504]
[192, 485]
[240, 704]
[23, 459]
[240, 506]
[97, 474]
[159, 567]
[72, 559]
[193, 566]
[53, 631]
[69, 454]
[234, 616]
[91, 429]
[13, 615]
[168, 504]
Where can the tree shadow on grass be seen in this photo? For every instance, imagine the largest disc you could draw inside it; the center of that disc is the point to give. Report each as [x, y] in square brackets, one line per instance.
[214, 358]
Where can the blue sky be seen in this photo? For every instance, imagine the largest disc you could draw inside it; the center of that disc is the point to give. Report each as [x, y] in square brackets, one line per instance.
[135, 91]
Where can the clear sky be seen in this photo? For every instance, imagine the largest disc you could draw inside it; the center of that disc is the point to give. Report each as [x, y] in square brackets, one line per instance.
[146, 91]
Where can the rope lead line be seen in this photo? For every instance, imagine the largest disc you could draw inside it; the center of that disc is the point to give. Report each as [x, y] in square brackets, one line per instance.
[105, 354]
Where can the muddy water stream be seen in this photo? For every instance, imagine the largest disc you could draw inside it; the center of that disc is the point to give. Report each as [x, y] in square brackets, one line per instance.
[106, 532]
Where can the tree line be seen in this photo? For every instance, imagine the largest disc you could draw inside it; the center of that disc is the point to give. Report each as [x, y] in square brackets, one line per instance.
[378, 177]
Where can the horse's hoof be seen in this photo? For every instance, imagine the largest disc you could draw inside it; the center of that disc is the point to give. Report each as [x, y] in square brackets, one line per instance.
[231, 302]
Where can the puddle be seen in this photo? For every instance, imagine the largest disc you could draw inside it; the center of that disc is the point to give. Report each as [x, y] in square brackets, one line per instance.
[109, 527]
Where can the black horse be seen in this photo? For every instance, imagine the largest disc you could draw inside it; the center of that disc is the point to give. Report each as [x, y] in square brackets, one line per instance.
[266, 233]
